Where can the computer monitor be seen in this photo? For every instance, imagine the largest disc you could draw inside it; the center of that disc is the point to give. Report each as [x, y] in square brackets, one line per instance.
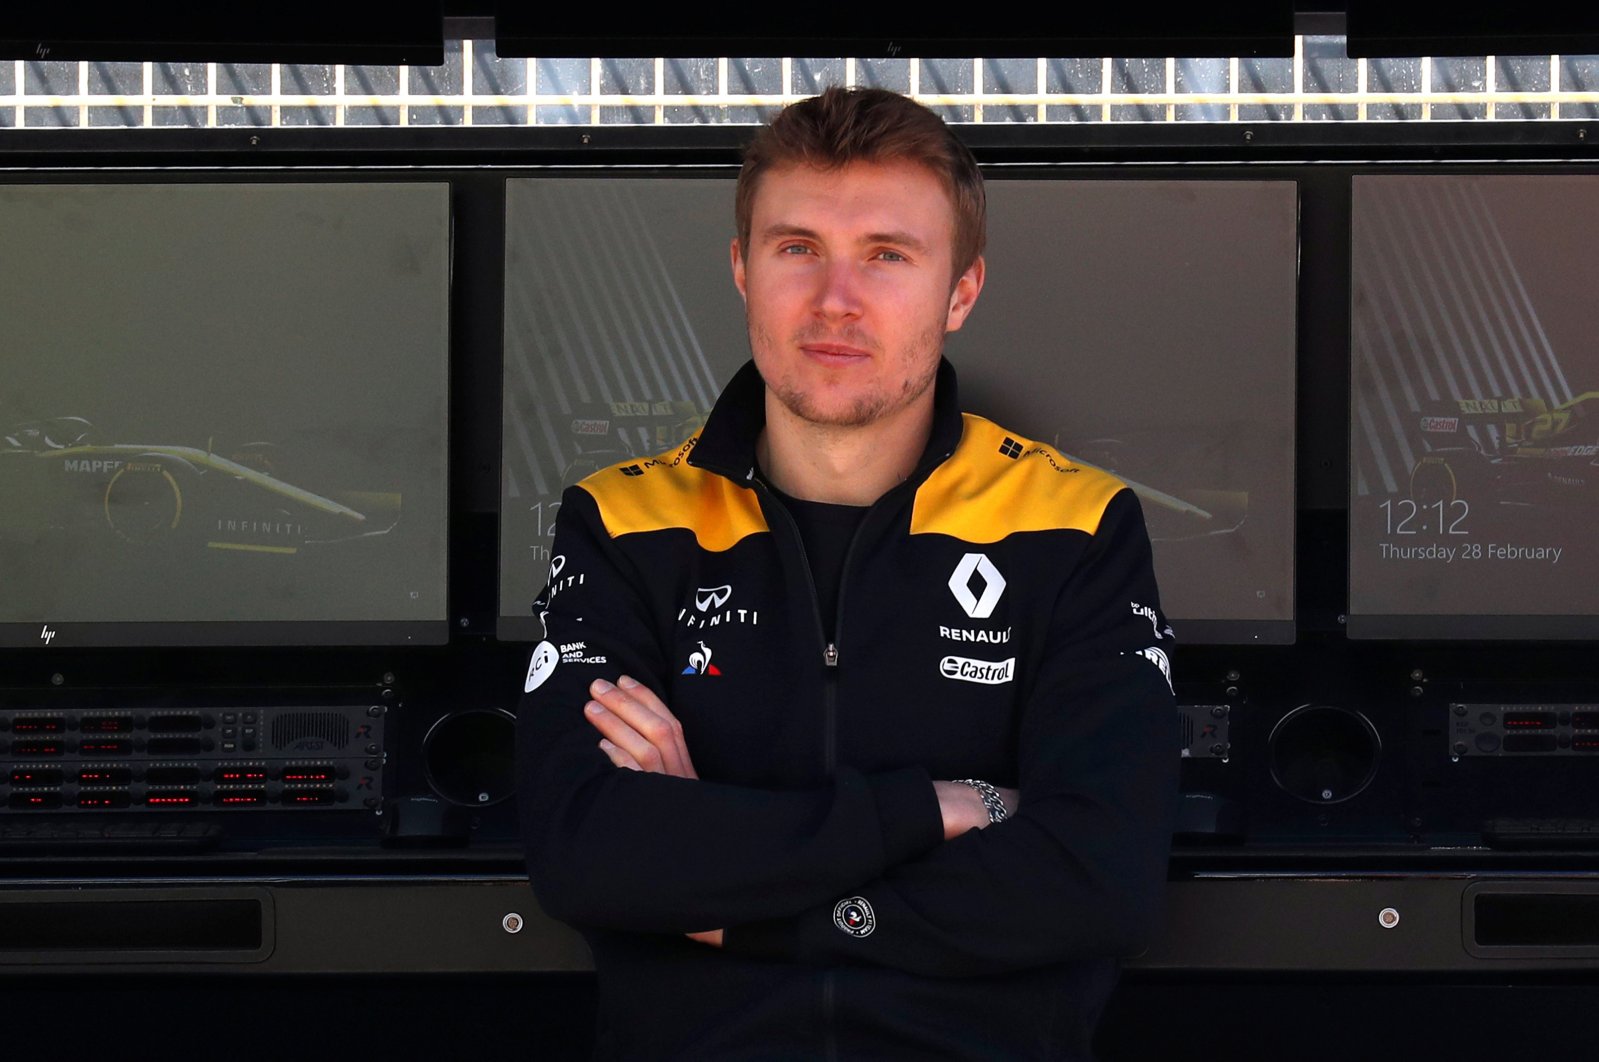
[1475, 389]
[1146, 327]
[621, 327]
[223, 416]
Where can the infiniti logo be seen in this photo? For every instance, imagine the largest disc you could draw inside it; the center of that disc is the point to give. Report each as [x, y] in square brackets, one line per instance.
[710, 609]
[556, 564]
[709, 597]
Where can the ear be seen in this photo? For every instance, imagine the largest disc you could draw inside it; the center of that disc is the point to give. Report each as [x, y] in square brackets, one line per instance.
[737, 254]
[967, 287]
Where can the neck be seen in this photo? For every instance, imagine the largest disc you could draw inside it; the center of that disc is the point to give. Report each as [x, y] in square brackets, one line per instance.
[843, 465]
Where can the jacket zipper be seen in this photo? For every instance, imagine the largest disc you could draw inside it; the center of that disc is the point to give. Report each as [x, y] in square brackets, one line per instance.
[829, 686]
[829, 649]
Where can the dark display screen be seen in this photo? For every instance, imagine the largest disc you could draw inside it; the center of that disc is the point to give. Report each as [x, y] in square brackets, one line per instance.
[621, 327]
[1144, 327]
[1475, 440]
[1148, 328]
[223, 417]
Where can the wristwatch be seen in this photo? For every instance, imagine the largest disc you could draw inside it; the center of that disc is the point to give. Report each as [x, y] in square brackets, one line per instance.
[991, 799]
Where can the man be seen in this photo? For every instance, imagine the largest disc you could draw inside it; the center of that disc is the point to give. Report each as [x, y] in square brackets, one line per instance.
[851, 734]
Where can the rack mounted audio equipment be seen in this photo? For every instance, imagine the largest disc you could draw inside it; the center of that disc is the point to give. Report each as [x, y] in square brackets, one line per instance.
[227, 757]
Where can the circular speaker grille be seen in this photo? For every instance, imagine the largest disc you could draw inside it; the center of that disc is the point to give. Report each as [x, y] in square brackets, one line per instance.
[469, 756]
[1324, 754]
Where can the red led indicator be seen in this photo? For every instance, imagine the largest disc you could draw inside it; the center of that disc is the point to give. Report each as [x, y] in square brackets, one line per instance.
[107, 726]
[23, 801]
[105, 776]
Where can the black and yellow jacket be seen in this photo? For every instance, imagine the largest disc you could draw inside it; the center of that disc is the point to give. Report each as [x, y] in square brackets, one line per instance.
[998, 619]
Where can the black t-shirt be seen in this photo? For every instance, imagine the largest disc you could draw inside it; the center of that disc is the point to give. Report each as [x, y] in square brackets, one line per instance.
[826, 530]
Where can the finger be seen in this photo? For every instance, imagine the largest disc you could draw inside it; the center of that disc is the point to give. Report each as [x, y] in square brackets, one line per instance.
[1012, 799]
[660, 728]
[646, 696]
[617, 756]
[626, 720]
[632, 694]
[615, 730]
[640, 709]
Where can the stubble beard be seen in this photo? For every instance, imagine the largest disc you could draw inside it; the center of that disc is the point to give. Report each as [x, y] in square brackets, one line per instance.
[864, 409]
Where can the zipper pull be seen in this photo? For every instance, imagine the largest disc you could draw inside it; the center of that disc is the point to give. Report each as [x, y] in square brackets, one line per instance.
[830, 655]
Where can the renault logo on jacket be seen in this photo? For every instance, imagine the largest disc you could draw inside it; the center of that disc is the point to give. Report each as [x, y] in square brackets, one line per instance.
[977, 607]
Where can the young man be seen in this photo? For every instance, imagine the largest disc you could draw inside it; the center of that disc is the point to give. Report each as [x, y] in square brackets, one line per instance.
[851, 735]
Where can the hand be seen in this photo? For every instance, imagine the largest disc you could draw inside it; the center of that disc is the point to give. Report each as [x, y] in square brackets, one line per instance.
[639, 732]
[713, 937]
[963, 808]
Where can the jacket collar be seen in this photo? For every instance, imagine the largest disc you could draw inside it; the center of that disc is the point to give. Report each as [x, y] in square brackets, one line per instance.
[727, 442]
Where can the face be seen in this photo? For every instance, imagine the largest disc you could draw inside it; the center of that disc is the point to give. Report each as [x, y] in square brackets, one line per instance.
[847, 288]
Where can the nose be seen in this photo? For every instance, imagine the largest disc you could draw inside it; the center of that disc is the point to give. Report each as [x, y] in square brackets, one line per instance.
[839, 295]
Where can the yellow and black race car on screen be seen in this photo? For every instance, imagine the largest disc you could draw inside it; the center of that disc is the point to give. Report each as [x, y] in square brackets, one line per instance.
[1508, 449]
[58, 475]
[603, 433]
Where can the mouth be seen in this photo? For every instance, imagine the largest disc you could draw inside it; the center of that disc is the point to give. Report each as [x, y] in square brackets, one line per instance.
[835, 353]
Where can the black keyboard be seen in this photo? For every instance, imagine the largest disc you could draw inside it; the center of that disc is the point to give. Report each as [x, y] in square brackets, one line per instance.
[1541, 833]
[106, 838]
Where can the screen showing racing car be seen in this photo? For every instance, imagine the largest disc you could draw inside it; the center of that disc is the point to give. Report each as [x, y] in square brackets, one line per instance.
[1118, 322]
[621, 327]
[1474, 407]
[1148, 328]
[223, 413]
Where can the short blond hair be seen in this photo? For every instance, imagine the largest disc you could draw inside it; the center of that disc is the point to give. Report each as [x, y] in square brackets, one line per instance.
[845, 125]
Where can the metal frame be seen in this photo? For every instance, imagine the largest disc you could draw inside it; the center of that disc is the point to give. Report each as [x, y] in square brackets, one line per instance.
[1170, 104]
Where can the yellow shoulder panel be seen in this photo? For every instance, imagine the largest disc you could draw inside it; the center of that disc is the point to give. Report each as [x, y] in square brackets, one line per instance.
[667, 492]
[998, 483]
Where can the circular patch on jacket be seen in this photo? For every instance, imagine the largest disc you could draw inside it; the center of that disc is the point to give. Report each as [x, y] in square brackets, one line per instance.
[854, 916]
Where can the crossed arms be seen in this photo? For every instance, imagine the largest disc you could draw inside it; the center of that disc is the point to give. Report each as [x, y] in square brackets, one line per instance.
[1077, 872]
[642, 734]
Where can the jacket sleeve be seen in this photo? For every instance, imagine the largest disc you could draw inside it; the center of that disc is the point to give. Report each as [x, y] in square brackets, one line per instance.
[1079, 871]
[620, 849]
